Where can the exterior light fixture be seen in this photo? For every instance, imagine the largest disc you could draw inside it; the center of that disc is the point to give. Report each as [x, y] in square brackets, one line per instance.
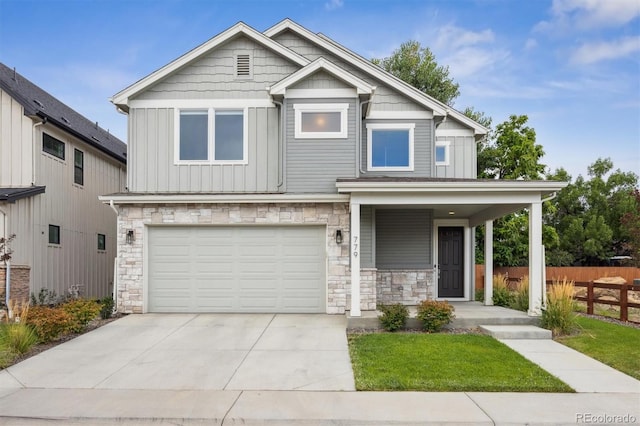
[338, 236]
[451, 213]
[131, 236]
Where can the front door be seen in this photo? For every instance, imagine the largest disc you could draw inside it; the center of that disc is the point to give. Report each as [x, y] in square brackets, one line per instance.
[451, 261]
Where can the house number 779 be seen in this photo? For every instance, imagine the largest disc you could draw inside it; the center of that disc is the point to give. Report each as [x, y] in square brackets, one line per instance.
[355, 246]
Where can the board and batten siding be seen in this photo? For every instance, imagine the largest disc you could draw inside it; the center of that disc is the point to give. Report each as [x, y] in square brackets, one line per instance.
[79, 214]
[212, 76]
[385, 99]
[313, 165]
[403, 238]
[462, 151]
[153, 169]
[16, 149]
[422, 149]
[366, 236]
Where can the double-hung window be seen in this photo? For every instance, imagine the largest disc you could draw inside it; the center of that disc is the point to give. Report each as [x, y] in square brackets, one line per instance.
[78, 167]
[321, 121]
[211, 136]
[390, 146]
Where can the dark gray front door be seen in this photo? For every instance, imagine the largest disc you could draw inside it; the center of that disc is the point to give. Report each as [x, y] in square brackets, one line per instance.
[451, 261]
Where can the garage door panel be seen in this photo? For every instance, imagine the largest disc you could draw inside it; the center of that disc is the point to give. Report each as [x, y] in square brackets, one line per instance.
[237, 269]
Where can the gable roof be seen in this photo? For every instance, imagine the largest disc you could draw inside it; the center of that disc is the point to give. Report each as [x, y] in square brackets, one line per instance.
[438, 108]
[121, 98]
[361, 86]
[38, 103]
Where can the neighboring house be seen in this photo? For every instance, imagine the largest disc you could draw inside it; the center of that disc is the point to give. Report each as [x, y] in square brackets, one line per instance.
[54, 163]
[281, 172]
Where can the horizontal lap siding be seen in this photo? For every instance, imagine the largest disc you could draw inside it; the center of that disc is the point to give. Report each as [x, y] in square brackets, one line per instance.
[422, 149]
[403, 238]
[321, 80]
[151, 157]
[313, 165]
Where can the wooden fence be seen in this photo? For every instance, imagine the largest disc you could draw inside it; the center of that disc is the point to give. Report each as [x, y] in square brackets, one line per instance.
[623, 297]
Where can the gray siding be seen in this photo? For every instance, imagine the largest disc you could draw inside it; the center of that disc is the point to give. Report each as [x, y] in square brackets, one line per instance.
[212, 76]
[422, 149]
[313, 165]
[366, 237]
[403, 238]
[321, 80]
[385, 99]
[462, 158]
[151, 157]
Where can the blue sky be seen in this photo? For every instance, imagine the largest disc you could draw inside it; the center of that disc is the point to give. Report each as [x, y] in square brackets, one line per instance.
[572, 66]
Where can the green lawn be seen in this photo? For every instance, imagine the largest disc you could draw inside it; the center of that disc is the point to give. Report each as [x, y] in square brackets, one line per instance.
[613, 344]
[443, 363]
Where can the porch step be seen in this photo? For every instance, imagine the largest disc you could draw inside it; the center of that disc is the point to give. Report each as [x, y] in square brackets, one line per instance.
[516, 331]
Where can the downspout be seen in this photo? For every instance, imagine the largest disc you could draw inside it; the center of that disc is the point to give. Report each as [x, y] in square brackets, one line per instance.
[358, 131]
[7, 275]
[33, 157]
[281, 142]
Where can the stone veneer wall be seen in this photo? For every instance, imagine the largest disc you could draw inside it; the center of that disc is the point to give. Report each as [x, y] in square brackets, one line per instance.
[408, 287]
[20, 278]
[333, 215]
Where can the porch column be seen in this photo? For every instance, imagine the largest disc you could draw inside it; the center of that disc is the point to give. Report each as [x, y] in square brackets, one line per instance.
[536, 262]
[488, 262]
[355, 259]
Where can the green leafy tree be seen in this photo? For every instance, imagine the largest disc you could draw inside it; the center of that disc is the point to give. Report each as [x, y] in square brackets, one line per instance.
[417, 66]
[630, 222]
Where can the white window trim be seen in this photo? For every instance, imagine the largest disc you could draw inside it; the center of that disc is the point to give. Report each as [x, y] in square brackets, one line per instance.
[211, 111]
[447, 149]
[386, 126]
[341, 108]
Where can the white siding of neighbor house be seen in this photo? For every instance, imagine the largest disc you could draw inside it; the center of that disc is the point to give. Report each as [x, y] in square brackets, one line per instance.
[462, 153]
[422, 149]
[403, 238]
[16, 150]
[212, 76]
[152, 149]
[76, 209]
[313, 165]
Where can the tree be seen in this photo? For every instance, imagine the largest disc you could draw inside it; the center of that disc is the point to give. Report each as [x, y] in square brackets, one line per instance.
[630, 222]
[417, 66]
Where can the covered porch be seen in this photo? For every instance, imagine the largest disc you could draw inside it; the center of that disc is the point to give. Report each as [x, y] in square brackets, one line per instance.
[454, 207]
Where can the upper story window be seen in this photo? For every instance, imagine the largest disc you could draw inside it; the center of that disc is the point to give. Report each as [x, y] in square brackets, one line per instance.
[321, 121]
[52, 146]
[390, 146]
[78, 167]
[102, 242]
[54, 234]
[442, 153]
[211, 136]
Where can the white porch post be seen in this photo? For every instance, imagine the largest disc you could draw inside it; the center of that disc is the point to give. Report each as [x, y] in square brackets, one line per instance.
[488, 262]
[355, 259]
[536, 261]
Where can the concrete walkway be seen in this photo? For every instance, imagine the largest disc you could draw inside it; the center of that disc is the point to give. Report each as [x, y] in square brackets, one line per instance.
[225, 369]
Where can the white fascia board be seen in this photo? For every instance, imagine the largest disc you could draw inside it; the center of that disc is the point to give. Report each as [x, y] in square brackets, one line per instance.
[444, 198]
[438, 107]
[122, 97]
[222, 198]
[361, 86]
[201, 103]
[365, 65]
[466, 186]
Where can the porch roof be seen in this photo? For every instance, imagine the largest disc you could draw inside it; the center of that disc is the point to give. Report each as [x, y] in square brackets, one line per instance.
[477, 200]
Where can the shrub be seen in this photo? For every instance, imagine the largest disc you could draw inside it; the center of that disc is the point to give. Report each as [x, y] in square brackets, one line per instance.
[434, 314]
[17, 338]
[479, 295]
[394, 317]
[558, 314]
[106, 307]
[49, 323]
[82, 312]
[45, 297]
[501, 294]
[520, 298]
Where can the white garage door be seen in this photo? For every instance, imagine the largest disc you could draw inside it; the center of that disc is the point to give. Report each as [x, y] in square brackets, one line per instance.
[237, 269]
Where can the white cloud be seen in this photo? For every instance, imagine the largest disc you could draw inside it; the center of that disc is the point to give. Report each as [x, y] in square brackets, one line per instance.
[334, 4]
[530, 44]
[452, 37]
[568, 15]
[473, 60]
[589, 53]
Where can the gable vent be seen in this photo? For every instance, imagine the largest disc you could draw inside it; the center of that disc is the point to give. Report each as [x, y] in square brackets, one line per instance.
[243, 65]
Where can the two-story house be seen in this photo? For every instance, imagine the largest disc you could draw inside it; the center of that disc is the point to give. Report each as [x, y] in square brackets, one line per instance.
[281, 172]
[54, 163]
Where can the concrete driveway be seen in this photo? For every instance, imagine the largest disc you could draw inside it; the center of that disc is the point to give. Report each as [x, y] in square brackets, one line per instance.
[196, 352]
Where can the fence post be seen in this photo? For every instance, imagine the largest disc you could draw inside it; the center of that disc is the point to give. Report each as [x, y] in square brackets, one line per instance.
[590, 297]
[624, 315]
